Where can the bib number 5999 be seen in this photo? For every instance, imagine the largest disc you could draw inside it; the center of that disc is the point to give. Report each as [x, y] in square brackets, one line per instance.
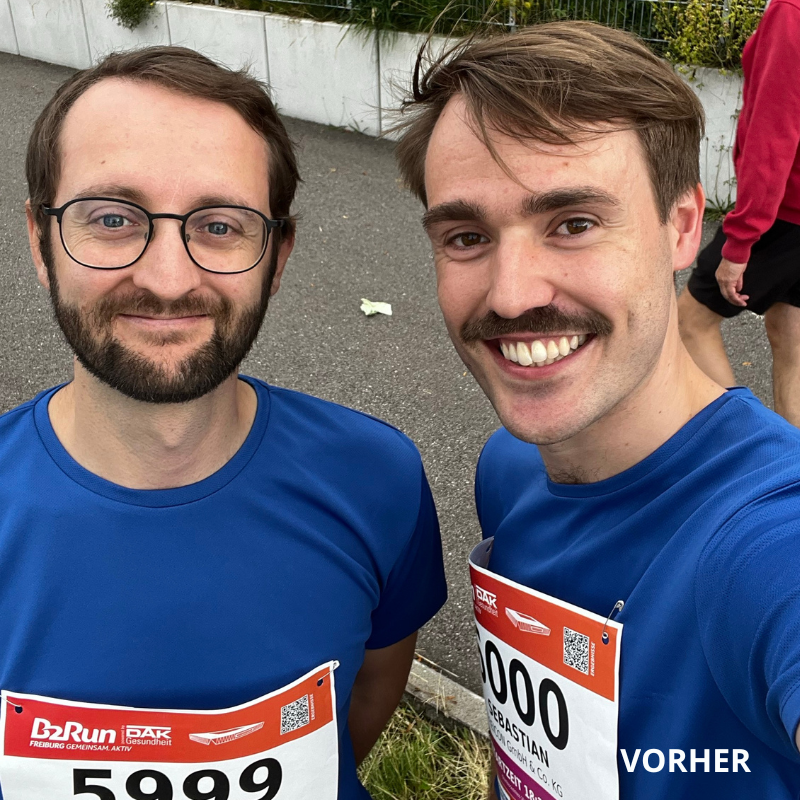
[204, 784]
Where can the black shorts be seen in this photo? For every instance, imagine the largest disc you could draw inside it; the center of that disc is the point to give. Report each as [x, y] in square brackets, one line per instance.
[772, 274]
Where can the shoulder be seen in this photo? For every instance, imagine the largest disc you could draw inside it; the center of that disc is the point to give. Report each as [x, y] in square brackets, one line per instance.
[753, 440]
[755, 455]
[322, 423]
[779, 24]
[352, 458]
[783, 8]
[19, 423]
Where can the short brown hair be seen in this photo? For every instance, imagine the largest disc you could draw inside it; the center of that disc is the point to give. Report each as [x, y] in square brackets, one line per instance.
[556, 83]
[181, 70]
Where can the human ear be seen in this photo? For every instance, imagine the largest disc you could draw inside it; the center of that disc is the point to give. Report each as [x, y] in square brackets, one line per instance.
[34, 240]
[685, 226]
[284, 251]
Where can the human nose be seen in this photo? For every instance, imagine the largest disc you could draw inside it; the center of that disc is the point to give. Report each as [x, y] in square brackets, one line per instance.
[165, 269]
[521, 277]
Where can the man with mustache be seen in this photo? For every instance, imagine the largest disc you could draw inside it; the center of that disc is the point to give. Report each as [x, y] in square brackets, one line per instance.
[209, 587]
[636, 596]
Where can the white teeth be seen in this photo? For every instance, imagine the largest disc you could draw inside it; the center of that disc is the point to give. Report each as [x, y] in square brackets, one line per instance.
[538, 352]
[524, 355]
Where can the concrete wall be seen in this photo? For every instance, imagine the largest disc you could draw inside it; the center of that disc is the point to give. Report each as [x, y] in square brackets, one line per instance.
[721, 96]
[318, 71]
[8, 36]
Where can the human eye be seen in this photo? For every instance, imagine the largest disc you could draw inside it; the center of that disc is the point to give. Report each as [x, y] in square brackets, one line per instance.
[217, 226]
[574, 227]
[112, 221]
[466, 240]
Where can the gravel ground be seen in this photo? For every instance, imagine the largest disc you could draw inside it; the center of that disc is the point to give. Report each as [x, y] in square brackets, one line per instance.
[359, 236]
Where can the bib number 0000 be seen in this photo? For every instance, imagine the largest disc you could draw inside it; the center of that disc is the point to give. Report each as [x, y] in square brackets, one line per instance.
[204, 784]
[493, 666]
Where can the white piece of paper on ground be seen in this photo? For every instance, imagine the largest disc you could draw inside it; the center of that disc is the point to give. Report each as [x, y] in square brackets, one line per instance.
[369, 307]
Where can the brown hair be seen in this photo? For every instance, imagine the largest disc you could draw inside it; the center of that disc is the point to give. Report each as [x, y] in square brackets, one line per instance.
[555, 83]
[181, 70]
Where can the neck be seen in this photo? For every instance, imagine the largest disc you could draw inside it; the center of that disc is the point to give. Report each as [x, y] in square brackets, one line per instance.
[674, 392]
[149, 446]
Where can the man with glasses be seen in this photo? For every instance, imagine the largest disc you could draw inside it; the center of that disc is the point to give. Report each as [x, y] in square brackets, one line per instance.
[209, 587]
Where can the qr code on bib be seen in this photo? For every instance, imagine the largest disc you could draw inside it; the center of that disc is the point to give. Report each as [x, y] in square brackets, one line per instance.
[295, 715]
[576, 650]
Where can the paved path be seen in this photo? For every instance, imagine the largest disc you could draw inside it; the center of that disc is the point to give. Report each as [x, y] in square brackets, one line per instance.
[359, 236]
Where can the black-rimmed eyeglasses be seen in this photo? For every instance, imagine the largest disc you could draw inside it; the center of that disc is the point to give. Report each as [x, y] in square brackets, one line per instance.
[107, 233]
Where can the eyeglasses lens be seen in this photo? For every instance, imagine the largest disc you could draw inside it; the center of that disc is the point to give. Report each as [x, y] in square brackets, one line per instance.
[102, 233]
[226, 239]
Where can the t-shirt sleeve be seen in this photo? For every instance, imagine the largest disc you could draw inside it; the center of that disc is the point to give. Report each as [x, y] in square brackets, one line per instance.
[416, 587]
[748, 606]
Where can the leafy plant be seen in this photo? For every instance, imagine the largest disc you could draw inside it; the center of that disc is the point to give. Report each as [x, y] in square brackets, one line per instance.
[708, 33]
[129, 13]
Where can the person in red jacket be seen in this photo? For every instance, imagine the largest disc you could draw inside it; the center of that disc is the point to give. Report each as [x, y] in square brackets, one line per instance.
[754, 260]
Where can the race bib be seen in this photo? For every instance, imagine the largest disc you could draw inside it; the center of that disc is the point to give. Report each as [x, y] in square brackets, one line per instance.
[283, 745]
[551, 685]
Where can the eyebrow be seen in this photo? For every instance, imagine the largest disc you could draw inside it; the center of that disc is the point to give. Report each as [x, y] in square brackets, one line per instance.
[113, 190]
[121, 192]
[564, 198]
[533, 204]
[454, 210]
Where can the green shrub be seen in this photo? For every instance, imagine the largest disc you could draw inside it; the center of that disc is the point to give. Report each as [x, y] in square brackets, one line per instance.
[708, 33]
[129, 13]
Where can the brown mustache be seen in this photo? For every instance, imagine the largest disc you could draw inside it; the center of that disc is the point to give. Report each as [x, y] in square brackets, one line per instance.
[544, 320]
[146, 302]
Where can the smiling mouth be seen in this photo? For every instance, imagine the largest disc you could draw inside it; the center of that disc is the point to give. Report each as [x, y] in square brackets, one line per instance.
[541, 352]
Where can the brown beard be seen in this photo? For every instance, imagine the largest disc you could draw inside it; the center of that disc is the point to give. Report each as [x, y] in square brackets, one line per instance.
[89, 334]
[544, 320]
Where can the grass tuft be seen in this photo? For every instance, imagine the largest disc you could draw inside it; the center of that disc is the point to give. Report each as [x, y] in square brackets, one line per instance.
[416, 759]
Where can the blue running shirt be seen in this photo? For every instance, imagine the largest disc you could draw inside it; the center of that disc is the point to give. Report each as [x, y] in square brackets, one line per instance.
[318, 539]
[702, 542]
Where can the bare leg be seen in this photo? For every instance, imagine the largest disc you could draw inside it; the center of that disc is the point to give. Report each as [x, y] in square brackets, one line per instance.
[701, 334]
[783, 329]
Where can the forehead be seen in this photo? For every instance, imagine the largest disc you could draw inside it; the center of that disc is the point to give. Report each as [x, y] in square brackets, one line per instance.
[459, 165]
[165, 145]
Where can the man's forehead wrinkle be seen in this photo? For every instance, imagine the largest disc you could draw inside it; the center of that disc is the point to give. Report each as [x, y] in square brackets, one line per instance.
[453, 210]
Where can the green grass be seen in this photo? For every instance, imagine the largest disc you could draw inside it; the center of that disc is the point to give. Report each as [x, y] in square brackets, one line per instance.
[416, 759]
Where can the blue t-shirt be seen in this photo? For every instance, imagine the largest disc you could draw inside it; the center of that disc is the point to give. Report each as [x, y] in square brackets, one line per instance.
[702, 541]
[318, 539]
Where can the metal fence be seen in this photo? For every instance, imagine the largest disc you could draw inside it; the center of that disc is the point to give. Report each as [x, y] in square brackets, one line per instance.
[641, 17]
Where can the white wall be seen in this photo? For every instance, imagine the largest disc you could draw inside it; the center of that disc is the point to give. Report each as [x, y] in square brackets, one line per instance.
[324, 72]
[8, 37]
[721, 96]
[51, 30]
[106, 36]
[319, 71]
[236, 39]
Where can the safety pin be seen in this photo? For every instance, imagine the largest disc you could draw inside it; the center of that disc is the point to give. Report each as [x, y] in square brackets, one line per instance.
[618, 606]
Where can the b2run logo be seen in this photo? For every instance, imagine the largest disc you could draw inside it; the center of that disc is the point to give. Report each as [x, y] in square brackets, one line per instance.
[655, 760]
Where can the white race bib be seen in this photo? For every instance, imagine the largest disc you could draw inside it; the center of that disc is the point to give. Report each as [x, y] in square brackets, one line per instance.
[283, 745]
[551, 686]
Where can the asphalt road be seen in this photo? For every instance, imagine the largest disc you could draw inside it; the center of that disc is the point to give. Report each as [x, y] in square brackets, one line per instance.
[359, 236]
